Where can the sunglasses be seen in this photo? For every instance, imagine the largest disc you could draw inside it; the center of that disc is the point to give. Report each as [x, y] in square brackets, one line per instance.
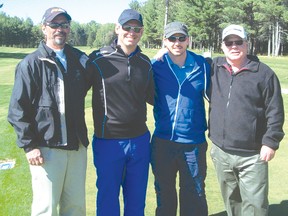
[230, 43]
[58, 25]
[128, 28]
[174, 38]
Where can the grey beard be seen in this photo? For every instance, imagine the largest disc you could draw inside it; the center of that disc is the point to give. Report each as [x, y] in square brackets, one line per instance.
[59, 41]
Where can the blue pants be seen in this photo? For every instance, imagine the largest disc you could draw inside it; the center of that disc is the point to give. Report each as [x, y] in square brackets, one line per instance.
[168, 158]
[121, 162]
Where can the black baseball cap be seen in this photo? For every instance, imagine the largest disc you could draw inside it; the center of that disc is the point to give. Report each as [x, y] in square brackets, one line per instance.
[130, 14]
[175, 28]
[52, 12]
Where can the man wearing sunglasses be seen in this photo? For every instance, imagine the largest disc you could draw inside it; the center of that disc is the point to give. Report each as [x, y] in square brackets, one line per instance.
[122, 83]
[179, 144]
[47, 112]
[245, 124]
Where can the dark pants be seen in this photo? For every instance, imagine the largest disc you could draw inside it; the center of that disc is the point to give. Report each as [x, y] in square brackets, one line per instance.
[189, 160]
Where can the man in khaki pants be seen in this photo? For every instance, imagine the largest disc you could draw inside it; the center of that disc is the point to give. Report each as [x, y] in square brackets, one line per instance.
[47, 113]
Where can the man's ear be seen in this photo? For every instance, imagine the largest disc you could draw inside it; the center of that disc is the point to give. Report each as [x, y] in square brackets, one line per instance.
[117, 27]
[43, 27]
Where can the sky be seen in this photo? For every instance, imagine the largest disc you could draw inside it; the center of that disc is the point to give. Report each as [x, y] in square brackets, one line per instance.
[82, 11]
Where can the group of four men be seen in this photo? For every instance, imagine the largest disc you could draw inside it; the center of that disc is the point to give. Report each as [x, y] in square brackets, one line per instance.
[246, 116]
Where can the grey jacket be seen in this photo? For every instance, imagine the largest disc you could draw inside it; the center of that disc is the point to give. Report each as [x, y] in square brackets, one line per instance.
[246, 108]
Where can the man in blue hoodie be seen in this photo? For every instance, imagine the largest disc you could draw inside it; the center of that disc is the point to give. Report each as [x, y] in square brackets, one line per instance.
[179, 143]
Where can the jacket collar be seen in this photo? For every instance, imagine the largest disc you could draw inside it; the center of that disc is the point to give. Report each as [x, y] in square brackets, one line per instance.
[47, 52]
[118, 48]
[252, 66]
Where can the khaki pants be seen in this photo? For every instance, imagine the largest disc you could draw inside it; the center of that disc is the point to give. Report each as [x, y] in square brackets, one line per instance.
[60, 183]
[243, 179]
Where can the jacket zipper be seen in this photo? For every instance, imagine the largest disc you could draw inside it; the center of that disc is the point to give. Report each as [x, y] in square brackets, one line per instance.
[227, 105]
[129, 70]
[177, 103]
[176, 111]
[230, 88]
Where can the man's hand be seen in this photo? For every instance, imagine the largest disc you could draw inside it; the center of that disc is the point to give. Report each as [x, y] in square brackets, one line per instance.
[34, 157]
[159, 55]
[267, 153]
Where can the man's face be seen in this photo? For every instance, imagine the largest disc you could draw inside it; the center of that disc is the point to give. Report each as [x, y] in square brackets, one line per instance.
[235, 48]
[177, 44]
[56, 32]
[128, 36]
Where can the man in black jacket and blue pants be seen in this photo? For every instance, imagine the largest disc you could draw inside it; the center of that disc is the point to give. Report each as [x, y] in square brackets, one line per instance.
[122, 83]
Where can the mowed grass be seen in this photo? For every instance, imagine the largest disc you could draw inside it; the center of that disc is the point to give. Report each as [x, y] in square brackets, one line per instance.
[15, 184]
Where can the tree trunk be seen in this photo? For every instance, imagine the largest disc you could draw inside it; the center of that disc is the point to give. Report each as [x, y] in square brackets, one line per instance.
[278, 39]
[269, 41]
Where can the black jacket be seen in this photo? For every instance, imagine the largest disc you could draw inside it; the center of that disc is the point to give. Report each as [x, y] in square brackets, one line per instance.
[121, 87]
[246, 108]
[33, 110]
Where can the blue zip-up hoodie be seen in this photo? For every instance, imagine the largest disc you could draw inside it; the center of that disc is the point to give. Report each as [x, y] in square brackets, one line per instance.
[179, 108]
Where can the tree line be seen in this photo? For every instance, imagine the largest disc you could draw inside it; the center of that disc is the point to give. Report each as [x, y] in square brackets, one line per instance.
[266, 22]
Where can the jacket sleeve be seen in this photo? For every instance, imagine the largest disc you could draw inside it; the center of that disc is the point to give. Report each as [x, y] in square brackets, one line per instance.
[274, 113]
[21, 109]
[207, 70]
[82, 58]
[150, 89]
[87, 76]
[91, 67]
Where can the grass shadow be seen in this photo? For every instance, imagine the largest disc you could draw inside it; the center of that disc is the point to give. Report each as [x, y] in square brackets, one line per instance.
[13, 55]
[279, 209]
[220, 214]
[274, 210]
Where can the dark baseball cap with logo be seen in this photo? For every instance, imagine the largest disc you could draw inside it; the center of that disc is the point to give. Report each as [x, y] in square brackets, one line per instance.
[130, 14]
[52, 12]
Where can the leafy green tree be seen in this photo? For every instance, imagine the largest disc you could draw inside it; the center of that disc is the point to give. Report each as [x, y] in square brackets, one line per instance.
[134, 4]
[91, 31]
[105, 35]
[265, 20]
[203, 19]
[153, 14]
[273, 15]
[26, 34]
[78, 35]
[36, 37]
[17, 32]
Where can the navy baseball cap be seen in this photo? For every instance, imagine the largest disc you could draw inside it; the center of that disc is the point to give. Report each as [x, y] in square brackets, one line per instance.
[130, 14]
[51, 13]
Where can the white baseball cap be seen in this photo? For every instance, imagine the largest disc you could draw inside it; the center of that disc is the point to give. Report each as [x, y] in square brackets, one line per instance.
[234, 30]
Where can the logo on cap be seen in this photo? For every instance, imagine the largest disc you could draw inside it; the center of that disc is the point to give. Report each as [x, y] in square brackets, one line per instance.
[234, 30]
[51, 13]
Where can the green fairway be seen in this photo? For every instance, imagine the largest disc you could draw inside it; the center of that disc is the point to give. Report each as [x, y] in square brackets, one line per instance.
[15, 184]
